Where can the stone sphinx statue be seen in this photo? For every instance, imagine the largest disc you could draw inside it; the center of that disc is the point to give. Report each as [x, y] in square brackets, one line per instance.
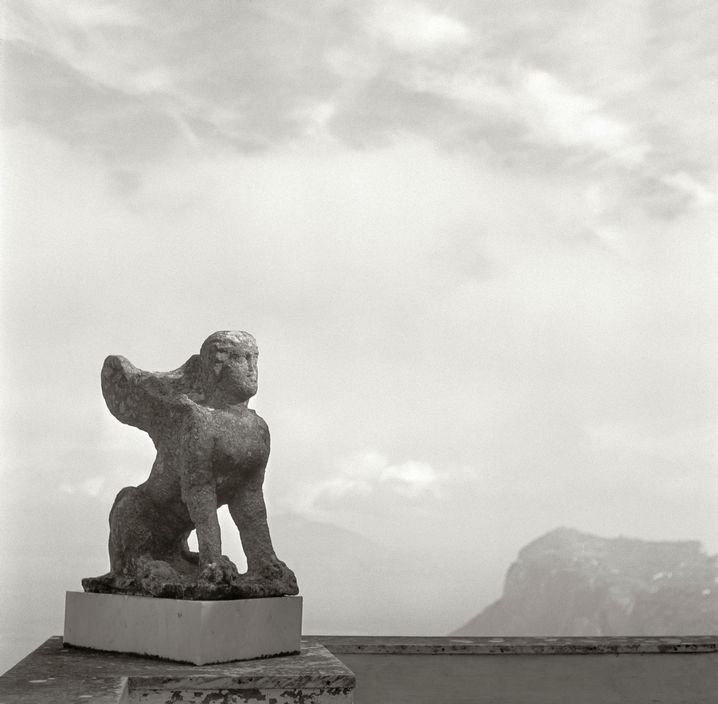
[212, 450]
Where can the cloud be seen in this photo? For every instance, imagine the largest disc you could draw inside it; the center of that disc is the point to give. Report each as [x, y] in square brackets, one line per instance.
[550, 89]
[702, 193]
[412, 478]
[370, 473]
[77, 14]
[573, 119]
[131, 81]
[550, 112]
[79, 37]
[89, 487]
[415, 28]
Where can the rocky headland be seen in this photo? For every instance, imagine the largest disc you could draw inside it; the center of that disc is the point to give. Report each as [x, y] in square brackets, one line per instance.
[569, 583]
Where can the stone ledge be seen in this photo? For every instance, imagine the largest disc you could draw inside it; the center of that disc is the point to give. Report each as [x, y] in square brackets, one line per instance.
[606, 645]
[54, 673]
[388, 671]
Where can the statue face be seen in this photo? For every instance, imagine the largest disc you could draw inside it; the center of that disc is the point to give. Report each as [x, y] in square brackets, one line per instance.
[231, 359]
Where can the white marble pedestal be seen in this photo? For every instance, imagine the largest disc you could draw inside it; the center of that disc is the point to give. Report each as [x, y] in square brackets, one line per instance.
[197, 632]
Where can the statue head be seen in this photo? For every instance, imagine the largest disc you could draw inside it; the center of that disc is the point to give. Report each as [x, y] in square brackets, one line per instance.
[228, 360]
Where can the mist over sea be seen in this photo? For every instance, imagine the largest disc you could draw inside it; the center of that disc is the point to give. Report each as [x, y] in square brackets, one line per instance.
[30, 614]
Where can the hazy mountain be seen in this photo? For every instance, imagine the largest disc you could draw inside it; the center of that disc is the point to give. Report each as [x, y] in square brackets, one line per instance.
[353, 585]
[568, 583]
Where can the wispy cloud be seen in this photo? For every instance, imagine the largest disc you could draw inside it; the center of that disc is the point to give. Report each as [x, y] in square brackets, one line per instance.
[371, 473]
[565, 82]
[569, 118]
[413, 27]
[546, 111]
[89, 487]
[703, 193]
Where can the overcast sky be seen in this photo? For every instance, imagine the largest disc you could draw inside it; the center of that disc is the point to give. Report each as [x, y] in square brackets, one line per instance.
[476, 241]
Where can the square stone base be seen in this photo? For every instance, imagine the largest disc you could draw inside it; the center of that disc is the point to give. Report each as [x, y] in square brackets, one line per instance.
[197, 632]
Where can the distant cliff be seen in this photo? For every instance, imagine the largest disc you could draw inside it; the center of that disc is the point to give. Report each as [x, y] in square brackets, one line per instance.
[568, 583]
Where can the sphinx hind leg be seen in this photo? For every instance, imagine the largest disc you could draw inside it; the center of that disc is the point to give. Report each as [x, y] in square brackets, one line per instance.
[131, 529]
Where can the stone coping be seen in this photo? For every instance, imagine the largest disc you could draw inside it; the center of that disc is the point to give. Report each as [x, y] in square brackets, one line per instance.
[465, 645]
[54, 673]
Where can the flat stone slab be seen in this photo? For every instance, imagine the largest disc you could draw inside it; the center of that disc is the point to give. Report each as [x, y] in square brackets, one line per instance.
[197, 632]
[55, 673]
[515, 645]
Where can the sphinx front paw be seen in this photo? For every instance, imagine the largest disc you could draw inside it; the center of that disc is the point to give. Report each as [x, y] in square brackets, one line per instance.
[157, 578]
[275, 572]
[220, 572]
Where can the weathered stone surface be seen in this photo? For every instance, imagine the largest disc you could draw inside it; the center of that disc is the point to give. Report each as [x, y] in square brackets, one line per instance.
[212, 450]
[398, 669]
[54, 674]
[499, 645]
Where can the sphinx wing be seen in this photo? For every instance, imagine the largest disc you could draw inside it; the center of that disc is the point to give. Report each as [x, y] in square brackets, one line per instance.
[146, 400]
